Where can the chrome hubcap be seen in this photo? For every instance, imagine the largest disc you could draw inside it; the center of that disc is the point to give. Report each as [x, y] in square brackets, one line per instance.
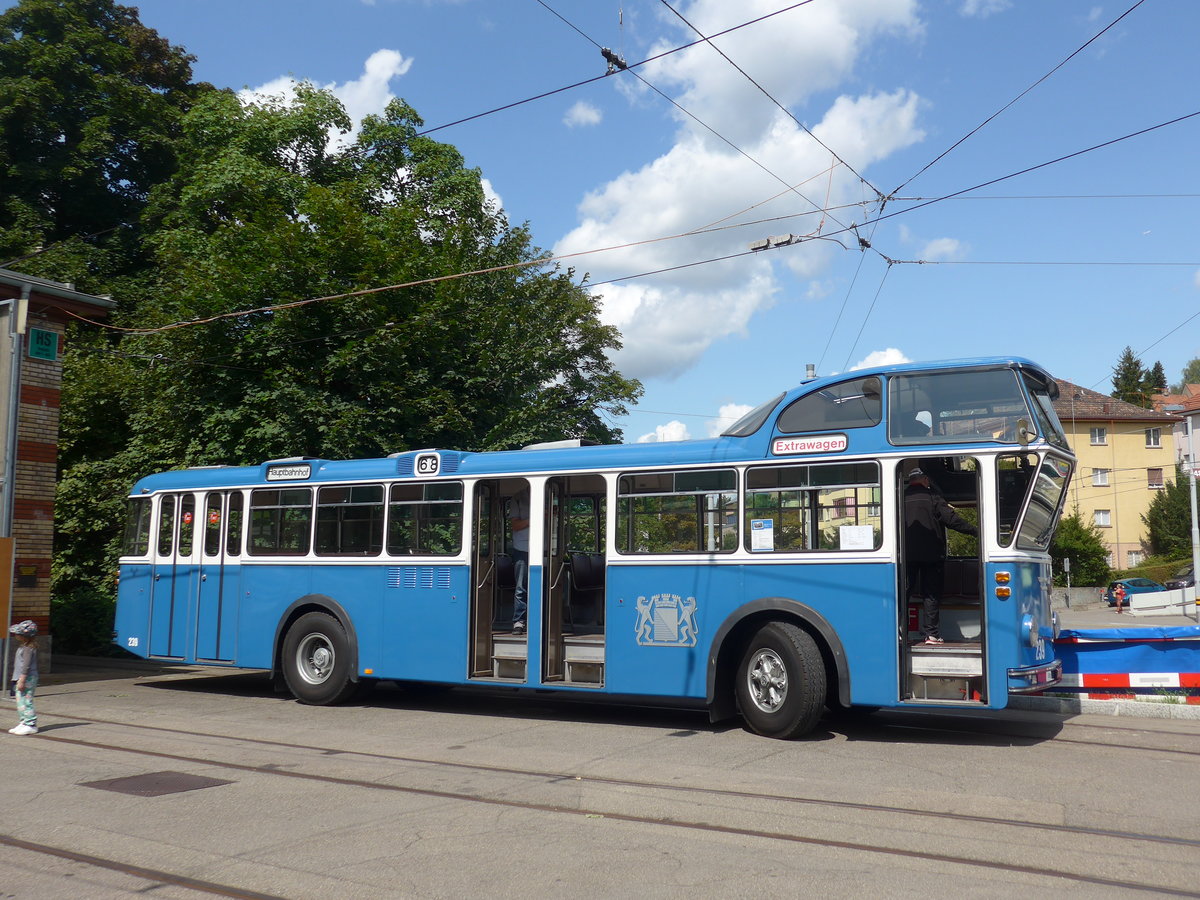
[315, 658]
[767, 680]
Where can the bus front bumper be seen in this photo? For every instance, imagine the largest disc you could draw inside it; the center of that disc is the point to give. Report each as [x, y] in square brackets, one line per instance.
[1035, 678]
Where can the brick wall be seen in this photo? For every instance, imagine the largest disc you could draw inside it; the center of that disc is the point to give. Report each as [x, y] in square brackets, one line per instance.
[36, 477]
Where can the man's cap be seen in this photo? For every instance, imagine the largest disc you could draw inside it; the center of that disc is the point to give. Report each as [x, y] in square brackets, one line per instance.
[915, 473]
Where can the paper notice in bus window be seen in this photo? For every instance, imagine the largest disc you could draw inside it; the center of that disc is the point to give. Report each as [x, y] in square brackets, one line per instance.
[857, 537]
[762, 534]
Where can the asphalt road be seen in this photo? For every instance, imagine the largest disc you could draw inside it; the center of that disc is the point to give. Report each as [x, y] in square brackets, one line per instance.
[199, 784]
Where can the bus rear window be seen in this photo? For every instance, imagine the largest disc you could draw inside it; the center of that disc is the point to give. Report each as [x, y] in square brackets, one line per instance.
[137, 527]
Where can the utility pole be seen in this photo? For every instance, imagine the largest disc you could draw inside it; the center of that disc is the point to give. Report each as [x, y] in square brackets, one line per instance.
[1191, 426]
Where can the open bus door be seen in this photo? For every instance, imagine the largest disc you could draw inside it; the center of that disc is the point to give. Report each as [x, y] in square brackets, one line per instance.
[573, 565]
[954, 669]
[496, 651]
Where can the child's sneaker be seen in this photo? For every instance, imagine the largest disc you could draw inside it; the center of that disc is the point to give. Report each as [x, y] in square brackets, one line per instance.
[23, 729]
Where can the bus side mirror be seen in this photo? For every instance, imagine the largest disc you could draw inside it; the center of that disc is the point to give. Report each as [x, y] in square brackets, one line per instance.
[1024, 433]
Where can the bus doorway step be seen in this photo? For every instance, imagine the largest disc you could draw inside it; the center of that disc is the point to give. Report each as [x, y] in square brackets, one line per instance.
[509, 653]
[947, 659]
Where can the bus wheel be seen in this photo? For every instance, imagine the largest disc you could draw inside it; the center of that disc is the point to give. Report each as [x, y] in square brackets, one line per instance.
[781, 681]
[316, 660]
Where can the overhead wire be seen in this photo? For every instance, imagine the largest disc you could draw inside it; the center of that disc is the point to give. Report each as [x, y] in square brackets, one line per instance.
[587, 81]
[1007, 105]
[769, 96]
[688, 112]
[554, 258]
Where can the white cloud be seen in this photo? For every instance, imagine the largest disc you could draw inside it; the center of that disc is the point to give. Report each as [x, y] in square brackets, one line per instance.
[984, 8]
[943, 250]
[667, 323]
[581, 114]
[672, 431]
[1196, 278]
[726, 416]
[366, 95]
[889, 357]
[490, 194]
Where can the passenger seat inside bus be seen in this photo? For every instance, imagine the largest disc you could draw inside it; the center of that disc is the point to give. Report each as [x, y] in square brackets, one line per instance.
[585, 605]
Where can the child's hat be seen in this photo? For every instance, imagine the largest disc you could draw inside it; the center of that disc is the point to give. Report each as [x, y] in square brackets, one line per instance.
[27, 628]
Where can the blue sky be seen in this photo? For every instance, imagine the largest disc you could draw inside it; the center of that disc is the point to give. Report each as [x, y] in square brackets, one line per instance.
[1066, 264]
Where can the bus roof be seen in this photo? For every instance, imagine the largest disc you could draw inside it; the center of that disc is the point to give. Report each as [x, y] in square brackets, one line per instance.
[299, 471]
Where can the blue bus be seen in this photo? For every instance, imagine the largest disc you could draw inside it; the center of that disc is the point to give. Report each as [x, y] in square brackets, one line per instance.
[760, 573]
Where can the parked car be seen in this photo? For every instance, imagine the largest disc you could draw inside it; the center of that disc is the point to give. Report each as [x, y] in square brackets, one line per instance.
[1181, 579]
[1132, 586]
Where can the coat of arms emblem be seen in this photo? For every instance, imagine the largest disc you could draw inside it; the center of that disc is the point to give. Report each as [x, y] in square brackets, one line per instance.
[666, 620]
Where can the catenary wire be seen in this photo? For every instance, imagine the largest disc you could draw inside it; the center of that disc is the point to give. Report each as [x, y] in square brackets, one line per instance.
[965, 137]
[550, 259]
[700, 121]
[767, 94]
[587, 81]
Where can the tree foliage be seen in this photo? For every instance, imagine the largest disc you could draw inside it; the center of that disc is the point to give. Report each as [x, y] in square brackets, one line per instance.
[1156, 379]
[1083, 544]
[90, 102]
[327, 314]
[1168, 521]
[285, 286]
[1189, 375]
[1134, 383]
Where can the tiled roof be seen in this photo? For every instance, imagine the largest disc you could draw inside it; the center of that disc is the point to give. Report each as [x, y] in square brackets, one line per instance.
[1083, 403]
[1189, 398]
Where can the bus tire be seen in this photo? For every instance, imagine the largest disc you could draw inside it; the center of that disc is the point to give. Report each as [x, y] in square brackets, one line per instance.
[317, 660]
[781, 682]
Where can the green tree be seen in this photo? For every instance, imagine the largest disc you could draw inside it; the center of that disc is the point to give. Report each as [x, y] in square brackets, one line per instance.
[1083, 544]
[90, 102]
[1189, 375]
[1129, 380]
[1156, 380]
[260, 220]
[1169, 519]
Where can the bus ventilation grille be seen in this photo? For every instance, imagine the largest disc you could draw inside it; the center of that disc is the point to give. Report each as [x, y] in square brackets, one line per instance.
[448, 464]
[423, 577]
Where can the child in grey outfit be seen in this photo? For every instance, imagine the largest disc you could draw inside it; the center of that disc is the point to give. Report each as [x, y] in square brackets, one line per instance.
[25, 676]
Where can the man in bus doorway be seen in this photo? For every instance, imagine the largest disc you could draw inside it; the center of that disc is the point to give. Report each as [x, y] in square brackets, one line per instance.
[518, 518]
[927, 515]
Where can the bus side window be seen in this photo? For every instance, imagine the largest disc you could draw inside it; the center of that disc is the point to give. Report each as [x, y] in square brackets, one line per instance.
[233, 526]
[166, 524]
[425, 519]
[799, 508]
[280, 522]
[350, 520]
[690, 511]
[212, 525]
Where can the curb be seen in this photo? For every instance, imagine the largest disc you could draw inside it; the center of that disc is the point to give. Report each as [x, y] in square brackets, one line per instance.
[1139, 709]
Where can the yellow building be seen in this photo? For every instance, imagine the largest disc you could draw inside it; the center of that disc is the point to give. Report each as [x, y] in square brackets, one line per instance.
[1125, 455]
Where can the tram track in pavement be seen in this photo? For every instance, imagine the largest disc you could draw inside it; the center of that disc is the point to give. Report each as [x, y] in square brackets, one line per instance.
[534, 779]
[155, 878]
